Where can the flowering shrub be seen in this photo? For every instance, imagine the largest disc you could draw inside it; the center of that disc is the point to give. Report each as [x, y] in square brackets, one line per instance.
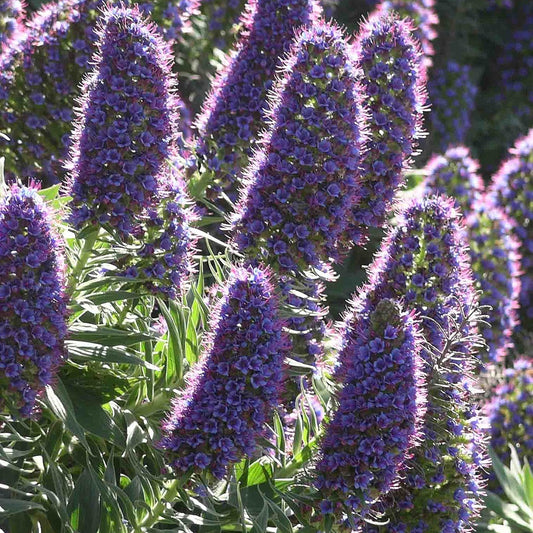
[511, 189]
[32, 300]
[394, 96]
[452, 96]
[380, 414]
[234, 111]
[511, 414]
[223, 411]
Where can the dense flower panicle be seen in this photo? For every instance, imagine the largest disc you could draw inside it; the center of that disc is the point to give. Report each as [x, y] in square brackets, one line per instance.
[393, 98]
[452, 97]
[233, 113]
[493, 247]
[303, 182]
[494, 252]
[380, 413]
[424, 263]
[219, 417]
[32, 300]
[11, 20]
[512, 190]
[510, 413]
[40, 75]
[455, 174]
[423, 14]
[163, 258]
[126, 129]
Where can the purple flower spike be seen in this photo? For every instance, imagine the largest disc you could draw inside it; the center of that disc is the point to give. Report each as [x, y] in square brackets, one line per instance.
[493, 247]
[452, 96]
[510, 413]
[234, 112]
[425, 18]
[512, 190]
[126, 129]
[494, 251]
[11, 20]
[232, 392]
[424, 263]
[32, 300]
[40, 76]
[455, 174]
[303, 183]
[393, 89]
[381, 408]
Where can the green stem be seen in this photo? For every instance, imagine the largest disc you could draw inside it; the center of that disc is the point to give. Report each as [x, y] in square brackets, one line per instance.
[85, 254]
[154, 515]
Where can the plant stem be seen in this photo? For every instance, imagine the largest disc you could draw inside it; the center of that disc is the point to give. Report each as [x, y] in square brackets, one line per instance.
[85, 254]
[155, 513]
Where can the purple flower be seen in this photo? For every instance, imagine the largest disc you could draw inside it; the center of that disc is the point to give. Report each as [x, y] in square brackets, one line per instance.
[130, 187]
[424, 17]
[381, 408]
[51, 55]
[511, 415]
[393, 98]
[452, 97]
[430, 230]
[234, 112]
[301, 191]
[199, 434]
[512, 190]
[32, 300]
[455, 174]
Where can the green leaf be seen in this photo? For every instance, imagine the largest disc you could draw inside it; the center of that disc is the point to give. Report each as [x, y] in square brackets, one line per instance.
[84, 504]
[106, 336]
[87, 351]
[10, 506]
[61, 405]
[507, 511]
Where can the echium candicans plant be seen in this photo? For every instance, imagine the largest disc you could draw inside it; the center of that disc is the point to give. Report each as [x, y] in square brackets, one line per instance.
[232, 392]
[124, 145]
[493, 247]
[393, 98]
[33, 308]
[424, 262]
[40, 76]
[303, 182]
[510, 412]
[452, 95]
[425, 18]
[11, 20]
[379, 418]
[512, 190]
[234, 112]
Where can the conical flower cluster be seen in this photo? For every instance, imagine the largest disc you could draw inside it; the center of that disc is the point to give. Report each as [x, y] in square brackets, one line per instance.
[11, 14]
[510, 413]
[40, 75]
[125, 141]
[452, 95]
[425, 18]
[32, 300]
[234, 112]
[424, 262]
[455, 174]
[493, 246]
[304, 181]
[393, 97]
[380, 413]
[231, 393]
[512, 190]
